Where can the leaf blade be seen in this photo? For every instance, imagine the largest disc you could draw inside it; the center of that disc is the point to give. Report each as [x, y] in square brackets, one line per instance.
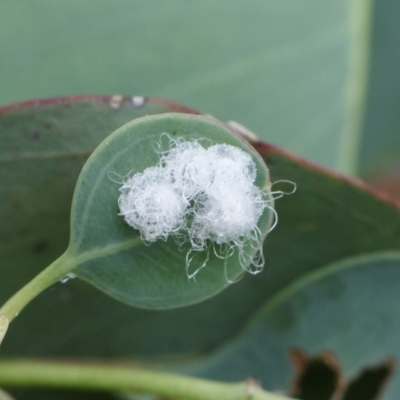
[95, 224]
[318, 314]
[290, 57]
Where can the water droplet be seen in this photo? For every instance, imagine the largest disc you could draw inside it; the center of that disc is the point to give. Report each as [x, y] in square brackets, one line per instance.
[138, 101]
[67, 278]
[116, 101]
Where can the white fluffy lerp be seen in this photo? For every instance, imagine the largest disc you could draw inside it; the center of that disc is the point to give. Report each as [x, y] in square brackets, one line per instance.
[205, 195]
[151, 204]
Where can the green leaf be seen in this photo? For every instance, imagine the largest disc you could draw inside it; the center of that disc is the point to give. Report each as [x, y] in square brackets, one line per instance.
[379, 151]
[349, 308]
[108, 253]
[285, 69]
[329, 217]
[44, 145]
[380, 142]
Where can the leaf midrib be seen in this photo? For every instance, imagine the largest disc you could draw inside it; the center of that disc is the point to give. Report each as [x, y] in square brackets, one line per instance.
[101, 252]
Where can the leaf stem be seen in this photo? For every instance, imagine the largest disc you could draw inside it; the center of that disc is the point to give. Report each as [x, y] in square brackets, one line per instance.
[30, 373]
[54, 272]
[5, 396]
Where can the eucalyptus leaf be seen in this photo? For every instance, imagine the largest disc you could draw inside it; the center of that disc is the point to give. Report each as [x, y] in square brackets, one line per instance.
[282, 68]
[106, 252]
[44, 145]
[349, 308]
[380, 140]
[341, 215]
[111, 255]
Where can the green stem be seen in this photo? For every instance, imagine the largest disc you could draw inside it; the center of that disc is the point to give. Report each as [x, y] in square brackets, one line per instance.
[4, 395]
[53, 273]
[28, 373]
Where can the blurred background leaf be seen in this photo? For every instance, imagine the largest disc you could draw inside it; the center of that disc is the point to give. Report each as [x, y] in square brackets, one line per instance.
[380, 147]
[298, 75]
[328, 218]
[287, 70]
[328, 310]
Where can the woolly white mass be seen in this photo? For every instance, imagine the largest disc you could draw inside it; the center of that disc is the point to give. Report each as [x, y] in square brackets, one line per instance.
[207, 196]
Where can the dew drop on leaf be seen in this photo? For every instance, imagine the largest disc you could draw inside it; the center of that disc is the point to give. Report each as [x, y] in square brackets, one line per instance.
[67, 278]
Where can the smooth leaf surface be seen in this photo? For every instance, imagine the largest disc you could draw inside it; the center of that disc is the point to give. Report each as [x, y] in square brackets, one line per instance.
[329, 217]
[111, 255]
[379, 152]
[350, 308]
[282, 68]
[380, 142]
[43, 146]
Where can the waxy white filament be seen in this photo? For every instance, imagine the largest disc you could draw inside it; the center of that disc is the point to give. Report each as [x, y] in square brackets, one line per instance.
[207, 196]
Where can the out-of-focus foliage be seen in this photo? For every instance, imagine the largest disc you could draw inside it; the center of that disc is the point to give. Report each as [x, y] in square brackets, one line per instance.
[318, 78]
[281, 68]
